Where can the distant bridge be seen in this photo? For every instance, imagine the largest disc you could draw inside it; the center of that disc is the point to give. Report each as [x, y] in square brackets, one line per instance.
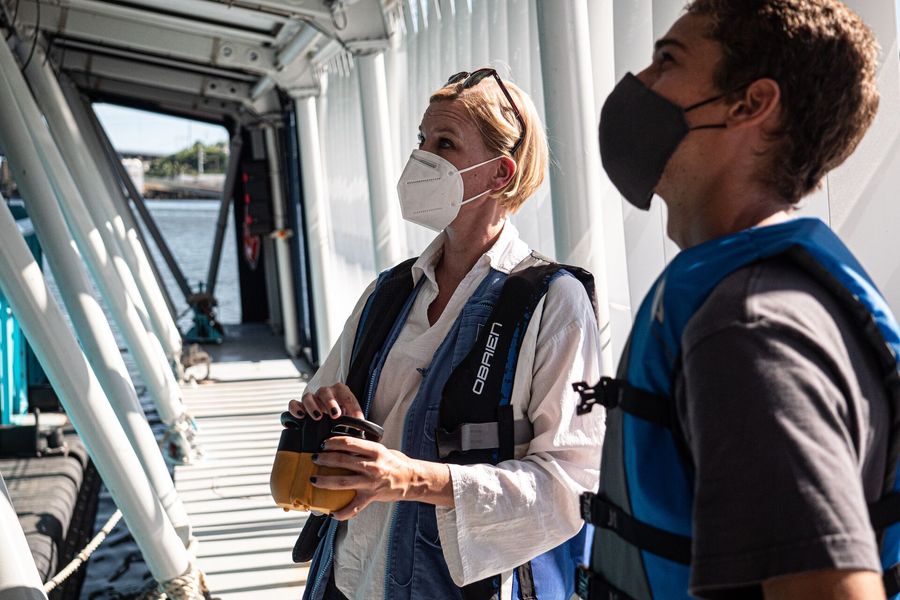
[185, 186]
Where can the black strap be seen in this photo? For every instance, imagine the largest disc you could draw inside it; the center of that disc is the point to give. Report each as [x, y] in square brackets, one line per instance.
[614, 393]
[527, 590]
[601, 513]
[891, 580]
[885, 512]
[308, 540]
[506, 431]
[476, 386]
[382, 309]
[592, 586]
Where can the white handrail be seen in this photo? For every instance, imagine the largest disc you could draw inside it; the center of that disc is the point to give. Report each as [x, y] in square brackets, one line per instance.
[87, 407]
[19, 578]
[83, 165]
[41, 175]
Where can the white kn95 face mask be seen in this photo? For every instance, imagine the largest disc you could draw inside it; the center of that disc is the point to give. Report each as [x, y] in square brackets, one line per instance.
[431, 190]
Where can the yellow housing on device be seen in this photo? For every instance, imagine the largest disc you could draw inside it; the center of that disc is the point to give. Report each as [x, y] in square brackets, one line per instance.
[293, 466]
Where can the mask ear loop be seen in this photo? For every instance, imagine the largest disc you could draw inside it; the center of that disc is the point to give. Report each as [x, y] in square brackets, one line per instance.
[710, 101]
[461, 171]
[485, 192]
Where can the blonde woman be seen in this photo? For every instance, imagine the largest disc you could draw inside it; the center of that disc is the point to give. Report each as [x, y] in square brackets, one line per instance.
[465, 356]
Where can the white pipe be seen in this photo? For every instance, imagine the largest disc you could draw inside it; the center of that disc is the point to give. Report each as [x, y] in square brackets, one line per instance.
[387, 232]
[41, 181]
[74, 147]
[143, 273]
[19, 578]
[299, 46]
[316, 212]
[90, 239]
[575, 170]
[281, 237]
[86, 405]
[117, 177]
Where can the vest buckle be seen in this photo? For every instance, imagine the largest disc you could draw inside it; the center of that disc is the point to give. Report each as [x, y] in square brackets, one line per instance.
[606, 393]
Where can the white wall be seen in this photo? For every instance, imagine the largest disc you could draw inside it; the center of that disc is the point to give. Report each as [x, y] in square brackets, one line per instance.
[442, 37]
[864, 193]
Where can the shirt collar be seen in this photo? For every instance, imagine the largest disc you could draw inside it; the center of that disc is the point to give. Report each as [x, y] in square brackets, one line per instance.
[507, 252]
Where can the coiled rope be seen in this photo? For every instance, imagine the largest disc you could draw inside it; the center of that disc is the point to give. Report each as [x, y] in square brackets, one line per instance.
[190, 586]
[85, 553]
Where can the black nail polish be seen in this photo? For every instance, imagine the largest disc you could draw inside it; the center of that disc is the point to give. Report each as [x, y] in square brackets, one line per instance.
[317, 414]
[334, 412]
[315, 457]
[312, 479]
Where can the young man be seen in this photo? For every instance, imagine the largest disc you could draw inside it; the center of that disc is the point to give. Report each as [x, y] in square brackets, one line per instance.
[757, 397]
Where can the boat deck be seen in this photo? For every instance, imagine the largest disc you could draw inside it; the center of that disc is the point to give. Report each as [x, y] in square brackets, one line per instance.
[245, 540]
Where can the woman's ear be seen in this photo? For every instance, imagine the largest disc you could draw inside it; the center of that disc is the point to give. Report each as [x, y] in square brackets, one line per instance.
[506, 170]
[760, 105]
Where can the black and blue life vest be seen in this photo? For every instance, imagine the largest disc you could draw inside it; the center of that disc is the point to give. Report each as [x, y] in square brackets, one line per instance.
[642, 511]
[474, 368]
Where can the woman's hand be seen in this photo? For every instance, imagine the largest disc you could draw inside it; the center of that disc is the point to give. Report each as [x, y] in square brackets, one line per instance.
[334, 400]
[380, 475]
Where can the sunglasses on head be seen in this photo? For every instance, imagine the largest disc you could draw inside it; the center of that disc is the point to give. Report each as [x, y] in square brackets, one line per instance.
[474, 78]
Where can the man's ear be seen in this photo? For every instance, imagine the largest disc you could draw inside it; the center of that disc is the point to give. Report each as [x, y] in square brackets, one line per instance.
[506, 170]
[760, 105]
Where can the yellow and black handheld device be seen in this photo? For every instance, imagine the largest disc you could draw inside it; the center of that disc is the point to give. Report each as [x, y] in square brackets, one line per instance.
[293, 465]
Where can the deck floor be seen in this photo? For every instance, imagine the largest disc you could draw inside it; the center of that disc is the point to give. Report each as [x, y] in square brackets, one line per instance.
[245, 540]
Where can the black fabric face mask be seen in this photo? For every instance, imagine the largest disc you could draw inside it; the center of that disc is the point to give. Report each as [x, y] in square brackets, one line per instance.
[639, 132]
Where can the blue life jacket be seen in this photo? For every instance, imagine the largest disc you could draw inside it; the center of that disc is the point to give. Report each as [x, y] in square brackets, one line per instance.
[474, 366]
[642, 512]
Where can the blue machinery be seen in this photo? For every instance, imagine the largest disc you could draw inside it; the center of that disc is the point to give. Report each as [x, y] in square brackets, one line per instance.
[19, 369]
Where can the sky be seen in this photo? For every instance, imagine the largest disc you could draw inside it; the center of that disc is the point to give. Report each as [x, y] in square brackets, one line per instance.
[134, 130]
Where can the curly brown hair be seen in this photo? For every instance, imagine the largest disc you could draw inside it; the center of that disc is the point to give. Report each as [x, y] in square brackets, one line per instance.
[823, 58]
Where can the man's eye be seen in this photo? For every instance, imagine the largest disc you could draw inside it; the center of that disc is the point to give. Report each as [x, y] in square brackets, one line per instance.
[445, 143]
[665, 57]
[421, 139]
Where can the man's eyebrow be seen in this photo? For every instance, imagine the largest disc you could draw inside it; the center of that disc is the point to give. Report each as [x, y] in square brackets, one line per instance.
[662, 42]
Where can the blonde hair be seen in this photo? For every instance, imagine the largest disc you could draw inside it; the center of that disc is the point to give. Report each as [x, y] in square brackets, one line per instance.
[500, 129]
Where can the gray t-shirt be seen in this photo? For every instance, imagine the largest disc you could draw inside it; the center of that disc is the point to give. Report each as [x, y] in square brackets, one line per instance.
[782, 407]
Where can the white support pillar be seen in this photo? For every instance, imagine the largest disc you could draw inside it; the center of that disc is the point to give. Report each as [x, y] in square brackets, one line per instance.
[387, 232]
[572, 127]
[44, 178]
[602, 28]
[67, 131]
[281, 237]
[316, 212]
[19, 578]
[86, 405]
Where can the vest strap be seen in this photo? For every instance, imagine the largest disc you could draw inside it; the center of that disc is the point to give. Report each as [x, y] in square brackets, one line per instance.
[885, 512]
[601, 513]
[891, 580]
[479, 436]
[618, 393]
[591, 586]
[526, 582]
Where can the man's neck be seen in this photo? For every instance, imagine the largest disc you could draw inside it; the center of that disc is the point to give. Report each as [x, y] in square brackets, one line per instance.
[708, 216]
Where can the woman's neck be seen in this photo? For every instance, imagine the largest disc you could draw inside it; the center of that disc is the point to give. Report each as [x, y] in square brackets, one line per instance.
[463, 247]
